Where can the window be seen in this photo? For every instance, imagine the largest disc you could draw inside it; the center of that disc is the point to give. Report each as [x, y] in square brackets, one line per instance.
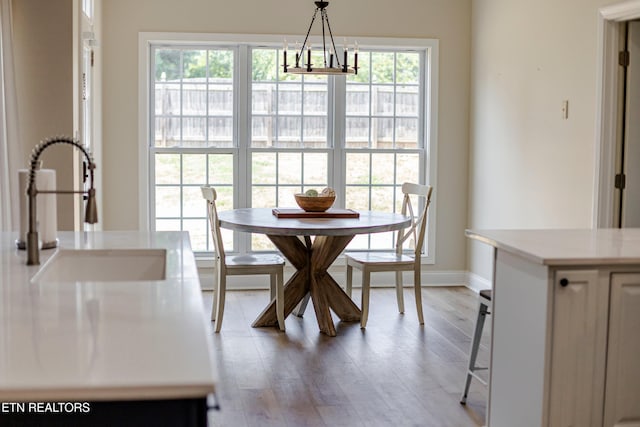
[193, 137]
[383, 146]
[87, 8]
[222, 112]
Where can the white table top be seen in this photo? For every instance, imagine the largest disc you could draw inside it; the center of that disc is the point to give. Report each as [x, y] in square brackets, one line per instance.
[262, 220]
[604, 246]
[103, 340]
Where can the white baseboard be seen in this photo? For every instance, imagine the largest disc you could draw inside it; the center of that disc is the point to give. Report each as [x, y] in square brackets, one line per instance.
[477, 283]
[382, 279]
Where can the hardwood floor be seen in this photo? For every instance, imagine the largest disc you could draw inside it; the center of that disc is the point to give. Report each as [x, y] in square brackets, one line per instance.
[394, 373]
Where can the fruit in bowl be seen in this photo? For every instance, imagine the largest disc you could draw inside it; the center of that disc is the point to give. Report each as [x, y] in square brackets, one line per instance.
[328, 192]
[312, 201]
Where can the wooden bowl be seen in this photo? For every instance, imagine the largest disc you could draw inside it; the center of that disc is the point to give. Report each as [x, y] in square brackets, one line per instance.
[314, 203]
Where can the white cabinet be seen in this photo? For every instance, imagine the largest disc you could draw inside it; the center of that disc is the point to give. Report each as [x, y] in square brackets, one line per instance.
[566, 328]
[580, 358]
[622, 398]
[595, 352]
[575, 350]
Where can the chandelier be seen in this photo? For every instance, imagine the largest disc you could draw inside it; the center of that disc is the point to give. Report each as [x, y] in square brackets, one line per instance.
[331, 64]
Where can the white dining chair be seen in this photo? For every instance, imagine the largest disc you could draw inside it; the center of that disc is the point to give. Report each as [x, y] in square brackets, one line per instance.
[242, 265]
[397, 261]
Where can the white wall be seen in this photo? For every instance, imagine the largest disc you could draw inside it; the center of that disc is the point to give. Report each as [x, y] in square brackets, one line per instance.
[530, 168]
[448, 21]
[43, 63]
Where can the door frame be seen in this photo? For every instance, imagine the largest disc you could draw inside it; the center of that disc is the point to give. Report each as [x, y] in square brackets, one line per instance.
[610, 19]
[86, 33]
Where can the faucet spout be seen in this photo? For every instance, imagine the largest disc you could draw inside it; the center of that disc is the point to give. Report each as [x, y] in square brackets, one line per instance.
[91, 213]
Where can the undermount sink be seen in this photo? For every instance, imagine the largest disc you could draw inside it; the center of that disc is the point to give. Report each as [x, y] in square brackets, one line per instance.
[103, 265]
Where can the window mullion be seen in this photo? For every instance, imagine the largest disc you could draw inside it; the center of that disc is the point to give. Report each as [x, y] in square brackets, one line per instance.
[242, 169]
[152, 189]
[181, 97]
[151, 155]
[424, 116]
[395, 100]
[302, 121]
[208, 87]
[337, 121]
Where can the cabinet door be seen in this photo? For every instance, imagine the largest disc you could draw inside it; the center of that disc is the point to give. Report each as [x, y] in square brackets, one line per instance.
[574, 350]
[622, 400]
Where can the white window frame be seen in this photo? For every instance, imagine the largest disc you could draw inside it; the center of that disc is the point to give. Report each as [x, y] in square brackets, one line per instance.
[430, 105]
[88, 7]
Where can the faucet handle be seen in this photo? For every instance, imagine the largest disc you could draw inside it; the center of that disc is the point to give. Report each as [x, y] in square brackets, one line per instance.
[84, 171]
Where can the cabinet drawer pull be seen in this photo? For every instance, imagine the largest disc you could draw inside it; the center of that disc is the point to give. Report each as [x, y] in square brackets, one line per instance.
[564, 282]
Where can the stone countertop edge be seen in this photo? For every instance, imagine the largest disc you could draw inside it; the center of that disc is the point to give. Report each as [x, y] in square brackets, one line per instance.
[566, 247]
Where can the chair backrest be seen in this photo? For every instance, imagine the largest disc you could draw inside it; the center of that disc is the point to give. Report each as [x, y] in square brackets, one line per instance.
[418, 226]
[209, 193]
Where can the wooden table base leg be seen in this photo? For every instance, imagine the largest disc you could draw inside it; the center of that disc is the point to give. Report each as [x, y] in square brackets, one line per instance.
[294, 290]
[312, 262]
[339, 301]
[321, 307]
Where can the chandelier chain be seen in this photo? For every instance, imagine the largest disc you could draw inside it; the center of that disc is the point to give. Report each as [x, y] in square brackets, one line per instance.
[308, 31]
[333, 43]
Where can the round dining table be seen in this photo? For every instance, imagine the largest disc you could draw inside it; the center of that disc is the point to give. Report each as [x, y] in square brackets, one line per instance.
[311, 244]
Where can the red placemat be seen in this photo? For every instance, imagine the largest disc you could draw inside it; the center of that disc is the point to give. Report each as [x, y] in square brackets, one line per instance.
[299, 213]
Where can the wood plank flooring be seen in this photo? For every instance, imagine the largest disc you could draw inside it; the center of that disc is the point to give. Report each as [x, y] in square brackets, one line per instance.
[394, 373]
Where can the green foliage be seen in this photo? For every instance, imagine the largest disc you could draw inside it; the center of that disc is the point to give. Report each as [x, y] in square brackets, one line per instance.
[194, 64]
[408, 68]
[264, 65]
[382, 67]
[167, 62]
[385, 67]
[221, 64]
[373, 67]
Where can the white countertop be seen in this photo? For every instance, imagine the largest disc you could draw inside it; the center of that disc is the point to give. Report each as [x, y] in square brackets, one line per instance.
[103, 340]
[604, 246]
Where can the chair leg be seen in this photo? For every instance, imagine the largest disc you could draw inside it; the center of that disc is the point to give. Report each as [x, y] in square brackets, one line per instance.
[302, 305]
[399, 294]
[279, 288]
[364, 305]
[222, 290]
[473, 351]
[467, 384]
[216, 292]
[272, 285]
[214, 305]
[349, 280]
[418, 291]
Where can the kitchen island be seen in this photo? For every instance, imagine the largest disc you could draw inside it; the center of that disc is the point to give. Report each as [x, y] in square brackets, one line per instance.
[114, 352]
[566, 316]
